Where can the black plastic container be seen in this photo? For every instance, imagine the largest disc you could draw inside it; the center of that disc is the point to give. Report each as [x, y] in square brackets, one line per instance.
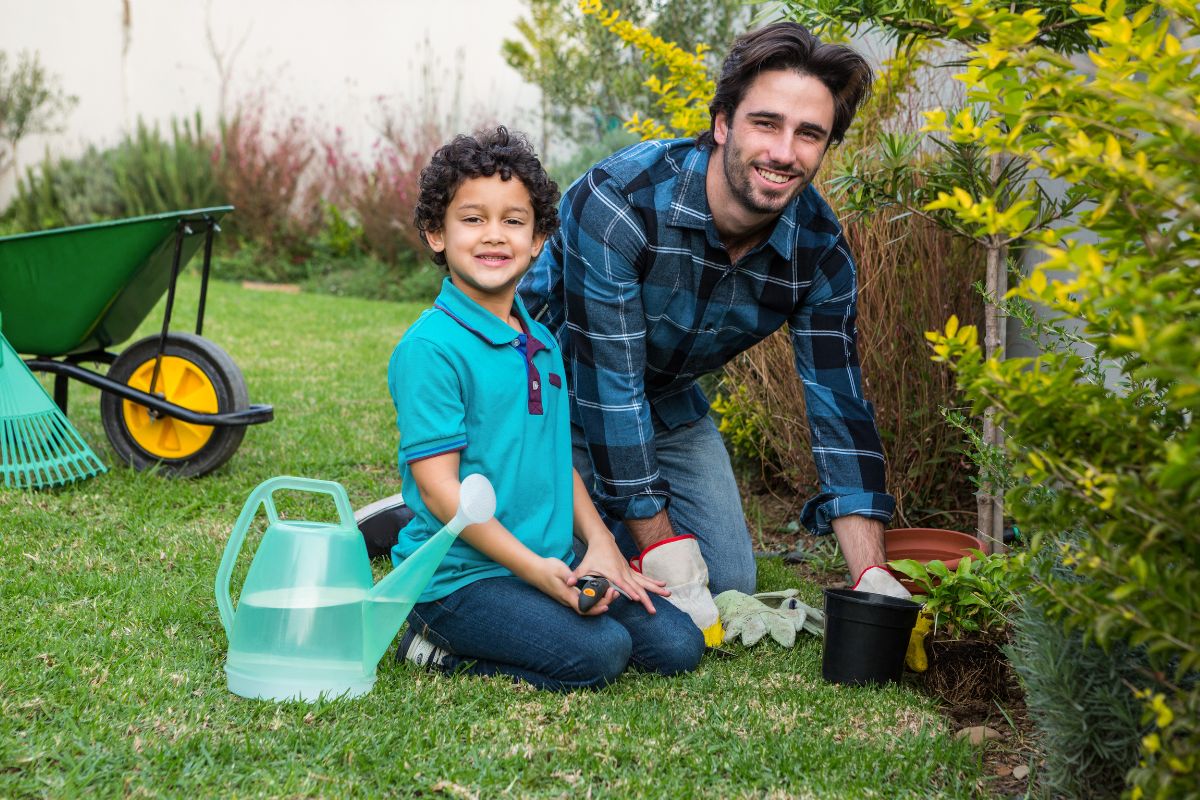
[866, 637]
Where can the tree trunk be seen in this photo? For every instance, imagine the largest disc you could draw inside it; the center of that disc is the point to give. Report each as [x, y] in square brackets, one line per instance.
[990, 500]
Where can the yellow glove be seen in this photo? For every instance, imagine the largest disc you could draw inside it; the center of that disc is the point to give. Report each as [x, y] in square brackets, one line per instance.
[915, 659]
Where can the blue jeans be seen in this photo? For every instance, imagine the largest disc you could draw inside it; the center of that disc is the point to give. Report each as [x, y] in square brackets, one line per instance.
[704, 500]
[504, 626]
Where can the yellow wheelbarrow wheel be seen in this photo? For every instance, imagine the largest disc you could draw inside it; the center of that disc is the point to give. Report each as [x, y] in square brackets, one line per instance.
[194, 374]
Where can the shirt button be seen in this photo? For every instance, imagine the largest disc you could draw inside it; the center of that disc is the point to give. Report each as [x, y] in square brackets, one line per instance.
[535, 386]
[516, 342]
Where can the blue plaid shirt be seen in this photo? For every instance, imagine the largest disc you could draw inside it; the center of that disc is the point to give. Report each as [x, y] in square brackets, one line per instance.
[644, 300]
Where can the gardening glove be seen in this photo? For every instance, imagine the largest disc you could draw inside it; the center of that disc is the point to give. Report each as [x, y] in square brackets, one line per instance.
[678, 562]
[804, 617]
[743, 616]
[878, 580]
[915, 659]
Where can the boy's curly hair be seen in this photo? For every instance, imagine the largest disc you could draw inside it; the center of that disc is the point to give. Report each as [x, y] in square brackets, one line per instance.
[482, 156]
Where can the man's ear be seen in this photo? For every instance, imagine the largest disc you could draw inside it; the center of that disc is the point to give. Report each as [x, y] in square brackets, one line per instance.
[436, 239]
[720, 128]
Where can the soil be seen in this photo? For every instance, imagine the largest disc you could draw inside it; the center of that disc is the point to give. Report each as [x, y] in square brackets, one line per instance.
[971, 680]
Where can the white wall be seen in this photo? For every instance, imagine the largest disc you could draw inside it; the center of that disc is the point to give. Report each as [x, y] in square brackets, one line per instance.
[329, 61]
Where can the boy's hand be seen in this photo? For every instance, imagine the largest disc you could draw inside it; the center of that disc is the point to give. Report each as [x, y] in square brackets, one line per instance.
[554, 578]
[603, 558]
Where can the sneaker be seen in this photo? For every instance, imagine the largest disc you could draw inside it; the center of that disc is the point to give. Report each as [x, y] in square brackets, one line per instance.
[418, 650]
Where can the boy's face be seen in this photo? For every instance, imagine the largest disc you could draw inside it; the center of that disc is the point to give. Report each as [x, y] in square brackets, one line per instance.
[488, 238]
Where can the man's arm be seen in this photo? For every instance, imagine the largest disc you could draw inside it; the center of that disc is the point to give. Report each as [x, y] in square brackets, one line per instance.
[846, 447]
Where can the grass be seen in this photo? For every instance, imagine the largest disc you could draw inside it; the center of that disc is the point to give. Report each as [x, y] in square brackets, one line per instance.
[111, 679]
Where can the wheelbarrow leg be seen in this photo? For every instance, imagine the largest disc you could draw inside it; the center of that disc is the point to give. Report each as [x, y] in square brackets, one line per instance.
[60, 392]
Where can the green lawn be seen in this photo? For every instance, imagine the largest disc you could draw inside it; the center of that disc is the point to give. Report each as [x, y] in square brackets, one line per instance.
[111, 649]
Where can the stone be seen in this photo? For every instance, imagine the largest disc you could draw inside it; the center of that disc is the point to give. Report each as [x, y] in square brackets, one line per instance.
[977, 734]
[1021, 772]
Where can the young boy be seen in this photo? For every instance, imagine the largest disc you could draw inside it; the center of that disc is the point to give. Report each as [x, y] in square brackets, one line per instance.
[480, 387]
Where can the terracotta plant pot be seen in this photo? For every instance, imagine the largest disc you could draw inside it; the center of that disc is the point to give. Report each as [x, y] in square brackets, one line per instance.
[925, 545]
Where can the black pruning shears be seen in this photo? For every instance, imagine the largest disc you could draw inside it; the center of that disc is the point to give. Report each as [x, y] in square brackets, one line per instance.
[591, 589]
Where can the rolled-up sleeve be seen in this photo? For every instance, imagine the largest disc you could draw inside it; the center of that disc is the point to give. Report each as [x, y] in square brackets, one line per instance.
[601, 243]
[845, 441]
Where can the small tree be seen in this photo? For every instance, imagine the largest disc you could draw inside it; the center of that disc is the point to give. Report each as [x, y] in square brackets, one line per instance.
[588, 80]
[1122, 455]
[31, 102]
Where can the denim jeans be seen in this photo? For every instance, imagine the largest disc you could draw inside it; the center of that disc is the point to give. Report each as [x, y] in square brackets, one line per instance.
[504, 626]
[704, 500]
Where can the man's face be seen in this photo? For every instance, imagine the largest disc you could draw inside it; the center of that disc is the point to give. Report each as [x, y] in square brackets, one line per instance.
[773, 146]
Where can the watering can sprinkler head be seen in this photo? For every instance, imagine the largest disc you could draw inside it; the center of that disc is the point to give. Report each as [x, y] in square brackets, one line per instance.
[476, 503]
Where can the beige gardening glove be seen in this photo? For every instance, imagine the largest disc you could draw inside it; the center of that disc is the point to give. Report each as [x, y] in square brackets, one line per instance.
[678, 562]
[803, 617]
[879, 581]
[749, 619]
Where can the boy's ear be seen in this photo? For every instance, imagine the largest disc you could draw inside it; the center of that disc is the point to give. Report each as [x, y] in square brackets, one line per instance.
[436, 239]
[539, 239]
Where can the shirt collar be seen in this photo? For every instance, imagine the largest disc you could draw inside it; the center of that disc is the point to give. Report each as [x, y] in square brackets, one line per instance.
[480, 321]
[689, 205]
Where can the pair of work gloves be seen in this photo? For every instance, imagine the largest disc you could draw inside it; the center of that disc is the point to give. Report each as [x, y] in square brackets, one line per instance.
[781, 614]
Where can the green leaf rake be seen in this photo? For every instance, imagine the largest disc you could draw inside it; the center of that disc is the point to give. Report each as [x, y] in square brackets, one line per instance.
[38, 447]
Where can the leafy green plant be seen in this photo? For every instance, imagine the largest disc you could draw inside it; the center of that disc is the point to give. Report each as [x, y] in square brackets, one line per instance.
[1123, 454]
[975, 598]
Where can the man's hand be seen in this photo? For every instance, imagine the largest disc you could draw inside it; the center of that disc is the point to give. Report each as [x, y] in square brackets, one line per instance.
[604, 558]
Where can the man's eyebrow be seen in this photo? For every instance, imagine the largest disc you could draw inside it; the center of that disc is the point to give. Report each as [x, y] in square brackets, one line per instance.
[775, 116]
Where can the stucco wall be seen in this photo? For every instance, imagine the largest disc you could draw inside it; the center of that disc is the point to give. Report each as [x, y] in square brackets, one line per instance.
[329, 61]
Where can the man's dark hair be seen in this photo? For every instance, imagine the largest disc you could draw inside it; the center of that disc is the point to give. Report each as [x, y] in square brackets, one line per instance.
[482, 156]
[790, 46]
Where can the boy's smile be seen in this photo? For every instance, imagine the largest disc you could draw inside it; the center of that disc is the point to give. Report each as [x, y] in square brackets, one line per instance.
[488, 239]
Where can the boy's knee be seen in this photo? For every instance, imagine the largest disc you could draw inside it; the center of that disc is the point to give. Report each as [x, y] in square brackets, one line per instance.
[605, 657]
[683, 647]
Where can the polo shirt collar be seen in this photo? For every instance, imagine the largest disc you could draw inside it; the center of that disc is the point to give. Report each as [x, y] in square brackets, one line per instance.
[480, 321]
[690, 209]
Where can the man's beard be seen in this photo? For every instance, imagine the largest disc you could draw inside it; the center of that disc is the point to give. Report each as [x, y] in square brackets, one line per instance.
[741, 186]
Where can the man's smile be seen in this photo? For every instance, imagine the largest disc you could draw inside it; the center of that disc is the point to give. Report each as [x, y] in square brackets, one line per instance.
[773, 177]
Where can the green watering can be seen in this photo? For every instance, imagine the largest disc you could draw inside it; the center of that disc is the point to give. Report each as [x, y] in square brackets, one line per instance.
[310, 619]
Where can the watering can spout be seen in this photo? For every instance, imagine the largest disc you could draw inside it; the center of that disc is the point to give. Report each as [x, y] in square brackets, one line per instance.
[389, 601]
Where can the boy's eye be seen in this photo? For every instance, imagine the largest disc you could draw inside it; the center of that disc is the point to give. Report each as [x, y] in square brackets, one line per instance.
[515, 221]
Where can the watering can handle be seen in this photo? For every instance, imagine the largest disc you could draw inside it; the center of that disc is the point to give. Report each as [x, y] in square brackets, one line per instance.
[262, 495]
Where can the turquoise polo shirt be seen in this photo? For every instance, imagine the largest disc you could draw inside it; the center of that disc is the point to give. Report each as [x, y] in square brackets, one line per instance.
[462, 380]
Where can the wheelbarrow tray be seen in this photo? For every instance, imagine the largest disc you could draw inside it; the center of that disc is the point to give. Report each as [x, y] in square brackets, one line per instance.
[88, 287]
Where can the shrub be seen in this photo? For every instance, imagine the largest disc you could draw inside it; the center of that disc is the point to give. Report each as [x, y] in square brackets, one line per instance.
[1078, 695]
[144, 173]
[1122, 454]
[264, 172]
[378, 198]
[976, 598]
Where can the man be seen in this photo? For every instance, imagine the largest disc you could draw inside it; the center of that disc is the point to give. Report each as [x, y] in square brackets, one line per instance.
[675, 256]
